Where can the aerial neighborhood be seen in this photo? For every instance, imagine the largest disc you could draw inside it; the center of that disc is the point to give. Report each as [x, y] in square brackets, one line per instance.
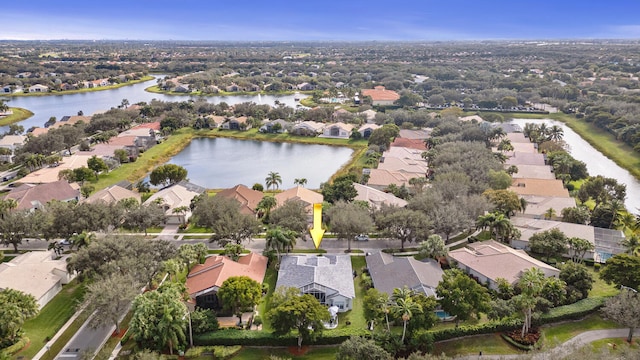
[460, 223]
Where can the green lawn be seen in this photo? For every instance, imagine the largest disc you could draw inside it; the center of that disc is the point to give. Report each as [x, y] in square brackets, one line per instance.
[270, 278]
[600, 287]
[356, 314]
[320, 353]
[557, 334]
[52, 317]
[489, 344]
[19, 114]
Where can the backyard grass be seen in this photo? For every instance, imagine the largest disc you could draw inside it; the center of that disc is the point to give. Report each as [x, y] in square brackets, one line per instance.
[314, 353]
[490, 344]
[356, 315]
[270, 278]
[600, 287]
[559, 333]
[19, 114]
[51, 318]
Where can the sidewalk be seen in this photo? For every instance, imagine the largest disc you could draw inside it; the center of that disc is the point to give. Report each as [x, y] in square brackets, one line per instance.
[55, 337]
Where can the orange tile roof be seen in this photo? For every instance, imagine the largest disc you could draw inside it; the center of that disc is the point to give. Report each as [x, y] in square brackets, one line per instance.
[379, 93]
[541, 187]
[417, 144]
[248, 198]
[217, 269]
[151, 125]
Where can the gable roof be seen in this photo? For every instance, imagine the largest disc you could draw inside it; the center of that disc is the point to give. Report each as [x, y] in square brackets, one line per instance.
[389, 272]
[331, 271]
[29, 196]
[495, 260]
[177, 195]
[376, 198]
[216, 269]
[382, 177]
[248, 198]
[112, 194]
[417, 144]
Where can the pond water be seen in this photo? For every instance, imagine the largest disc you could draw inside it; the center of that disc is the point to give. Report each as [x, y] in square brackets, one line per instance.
[597, 163]
[45, 107]
[222, 163]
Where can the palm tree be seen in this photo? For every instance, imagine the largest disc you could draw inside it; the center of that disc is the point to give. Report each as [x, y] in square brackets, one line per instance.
[550, 213]
[182, 211]
[505, 145]
[632, 245]
[556, 133]
[280, 240]
[523, 205]
[3, 106]
[405, 307]
[302, 182]
[82, 239]
[273, 180]
[265, 205]
[617, 207]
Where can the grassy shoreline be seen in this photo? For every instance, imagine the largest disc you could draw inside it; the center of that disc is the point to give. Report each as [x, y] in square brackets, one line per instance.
[175, 143]
[620, 153]
[156, 90]
[18, 115]
[100, 88]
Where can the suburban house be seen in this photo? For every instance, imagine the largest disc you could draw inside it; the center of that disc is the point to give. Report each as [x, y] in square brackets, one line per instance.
[539, 187]
[370, 114]
[308, 128]
[329, 278]
[367, 129]
[416, 144]
[36, 273]
[380, 178]
[337, 130]
[538, 206]
[305, 87]
[13, 143]
[381, 96]
[35, 197]
[534, 172]
[204, 280]
[248, 198]
[299, 193]
[389, 272]
[215, 121]
[38, 88]
[112, 195]
[236, 123]
[375, 198]
[487, 261]
[606, 241]
[50, 174]
[177, 196]
[406, 165]
[421, 134]
[282, 126]
[525, 158]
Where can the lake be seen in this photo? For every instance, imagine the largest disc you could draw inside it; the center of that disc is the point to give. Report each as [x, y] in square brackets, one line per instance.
[597, 163]
[223, 163]
[44, 107]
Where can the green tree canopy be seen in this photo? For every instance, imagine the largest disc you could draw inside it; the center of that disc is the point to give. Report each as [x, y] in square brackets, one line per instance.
[347, 220]
[549, 242]
[167, 174]
[624, 309]
[15, 308]
[302, 313]
[622, 270]
[239, 293]
[462, 296]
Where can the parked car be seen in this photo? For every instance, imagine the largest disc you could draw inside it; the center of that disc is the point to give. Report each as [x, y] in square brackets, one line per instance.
[362, 237]
[64, 242]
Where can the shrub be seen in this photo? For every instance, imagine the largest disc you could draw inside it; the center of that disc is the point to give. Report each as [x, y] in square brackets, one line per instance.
[257, 320]
[597, 266]
[263, 338]
[125, 337]
[225, 352]
[13, 349]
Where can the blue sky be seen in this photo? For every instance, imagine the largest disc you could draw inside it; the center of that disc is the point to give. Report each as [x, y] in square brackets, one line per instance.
[349, 20]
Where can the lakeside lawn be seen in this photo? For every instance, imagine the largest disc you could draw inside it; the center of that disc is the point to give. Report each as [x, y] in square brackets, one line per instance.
[490, 344]
[18, 115]
[83, 90]
[559, 333]
[51, 318]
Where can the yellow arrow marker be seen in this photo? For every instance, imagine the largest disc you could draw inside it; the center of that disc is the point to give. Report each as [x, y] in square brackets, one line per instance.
[317, 231]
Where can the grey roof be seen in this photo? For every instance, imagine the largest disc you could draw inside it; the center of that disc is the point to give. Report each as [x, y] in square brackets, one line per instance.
[330, 271]
[389, 272]
[608, 241]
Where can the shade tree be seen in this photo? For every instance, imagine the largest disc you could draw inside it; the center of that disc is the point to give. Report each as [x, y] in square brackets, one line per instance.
[15, 308]
[167, 174]
[403, 224]
[238, 294]
[302, 313]
[347, 220]
[461, 296]
[624, 309]
[223, 217]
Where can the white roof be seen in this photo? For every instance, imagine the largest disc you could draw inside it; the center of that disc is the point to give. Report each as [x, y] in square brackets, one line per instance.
[376, 197]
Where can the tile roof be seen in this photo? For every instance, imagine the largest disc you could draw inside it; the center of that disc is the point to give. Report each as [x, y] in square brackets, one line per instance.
[331, 271]
[534, 172]
[379, 93]
[209, 276]
[415, 134]
[299, 193]
[248, 198]
[50, 174]
[389, 272]
[30, 196]
[525, 158]
[10, 140]
[495, 260]
[417, 144]
[540, 187]
[376, 197]
[175, 196]
[112, 194]
[537, 205]
[383, 178]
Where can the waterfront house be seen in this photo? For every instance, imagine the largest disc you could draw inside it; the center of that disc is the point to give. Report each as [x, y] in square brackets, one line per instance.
[381, 96]
[177, 196]
[248, 198]
[337, 130]
[37, 88]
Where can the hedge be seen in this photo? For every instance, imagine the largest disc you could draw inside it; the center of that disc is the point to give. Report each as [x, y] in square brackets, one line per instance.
[13, 349]
[262, 338]
[331, 337]
[516, 344]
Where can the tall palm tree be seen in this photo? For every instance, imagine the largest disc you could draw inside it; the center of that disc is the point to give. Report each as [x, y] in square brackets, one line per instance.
[617, 207]
[273, 180]
[302, 182]
[405, 308]
[82, 239]
[632, 245]
[550, 213]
